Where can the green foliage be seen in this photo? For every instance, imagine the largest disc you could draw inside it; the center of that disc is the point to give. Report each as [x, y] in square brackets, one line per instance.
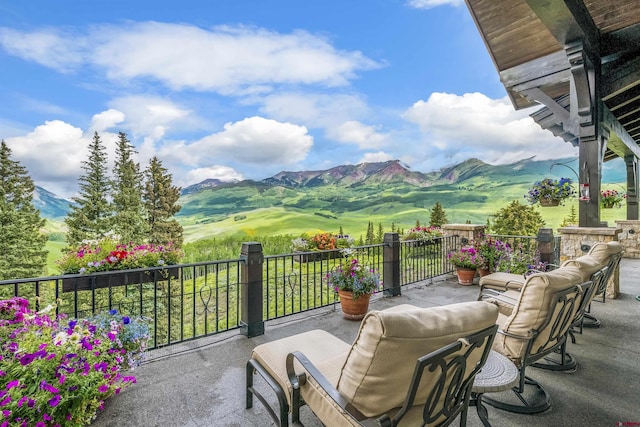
[129, 214]
[91, 212]
[517, 220]
[571, 219]
[380, 233]
[438, 216]
[21, 242]
[370, 239]
[467, 257]
[161, 203]
[352, 276]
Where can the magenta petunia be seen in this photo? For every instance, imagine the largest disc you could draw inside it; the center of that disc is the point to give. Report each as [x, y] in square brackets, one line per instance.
[103, 388]
[12, 384]
[54, 400]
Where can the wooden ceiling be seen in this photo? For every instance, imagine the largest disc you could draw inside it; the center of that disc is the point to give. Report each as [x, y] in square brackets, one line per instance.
[528, 42]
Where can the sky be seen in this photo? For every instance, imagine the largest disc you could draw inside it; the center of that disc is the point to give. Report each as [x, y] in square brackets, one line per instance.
[243, 89]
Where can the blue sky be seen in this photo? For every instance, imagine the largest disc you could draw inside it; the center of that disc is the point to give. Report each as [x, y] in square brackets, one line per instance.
[235, 89]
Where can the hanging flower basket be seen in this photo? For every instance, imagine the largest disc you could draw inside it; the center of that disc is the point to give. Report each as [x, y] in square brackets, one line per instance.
[547, 203]
[550, 192]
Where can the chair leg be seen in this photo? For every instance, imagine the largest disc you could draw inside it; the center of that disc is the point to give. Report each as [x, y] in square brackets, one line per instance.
[529, 397]
[483, 414]
[590, 321]
[252, 367]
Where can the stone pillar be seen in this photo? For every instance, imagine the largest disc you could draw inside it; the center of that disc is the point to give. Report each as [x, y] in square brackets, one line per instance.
[251, 304]
[629, 238]
[467, 233]
[576, 241]
[391, 265]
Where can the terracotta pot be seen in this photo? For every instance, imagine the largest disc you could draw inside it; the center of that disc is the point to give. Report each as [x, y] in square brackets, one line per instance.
[484, 272]
[549, 202]
[353, 309]
[466, 275]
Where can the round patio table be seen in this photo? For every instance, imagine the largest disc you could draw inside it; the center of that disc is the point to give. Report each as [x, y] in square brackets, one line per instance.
[498, 374]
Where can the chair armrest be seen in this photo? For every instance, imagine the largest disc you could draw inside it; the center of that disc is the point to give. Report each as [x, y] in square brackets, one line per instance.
[491, 294]
[298, 380]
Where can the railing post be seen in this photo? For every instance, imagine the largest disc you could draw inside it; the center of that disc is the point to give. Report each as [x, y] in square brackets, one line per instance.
[251, 305]
[545, 244]
[391, 264]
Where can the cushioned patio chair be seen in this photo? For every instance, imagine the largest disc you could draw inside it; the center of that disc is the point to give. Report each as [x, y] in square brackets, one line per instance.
[536, 325]
[406, 364]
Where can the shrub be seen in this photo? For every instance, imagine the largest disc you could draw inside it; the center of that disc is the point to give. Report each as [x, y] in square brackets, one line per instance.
[516, 219]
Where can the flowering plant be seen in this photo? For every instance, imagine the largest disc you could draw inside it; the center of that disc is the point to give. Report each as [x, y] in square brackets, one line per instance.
[467, 257]
[550, 190]
[519, 261]
[351, 275]
[322, 242]
[492, 250]
[612, 198]
[107, 254]
[423, 233]
[55, 373]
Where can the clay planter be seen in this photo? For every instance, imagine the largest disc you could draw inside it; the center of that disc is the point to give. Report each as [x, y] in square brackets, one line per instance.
[483, 272]
[354, 309]
[466, 275]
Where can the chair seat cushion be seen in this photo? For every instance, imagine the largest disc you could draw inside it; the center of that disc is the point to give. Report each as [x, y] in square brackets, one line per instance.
[502, 281]
[317, 345]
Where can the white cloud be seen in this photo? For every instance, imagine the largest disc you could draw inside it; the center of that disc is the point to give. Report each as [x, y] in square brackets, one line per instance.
[223, 173]
[358, 133]
[226, 59]
[254, 140]
[473, 125]
[379, 156]
[106, 120]
[52, 154]
[428, 4]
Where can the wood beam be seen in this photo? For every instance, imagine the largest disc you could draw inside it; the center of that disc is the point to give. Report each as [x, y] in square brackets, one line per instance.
[627, 145]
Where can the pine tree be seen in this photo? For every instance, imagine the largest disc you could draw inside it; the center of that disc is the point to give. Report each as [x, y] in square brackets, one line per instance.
[21, 242]
[438, 217]
[91, 212]
[380, 235]
[160, 199]
[572, 219]
[370, 235]
[341, 232]
[129, 220]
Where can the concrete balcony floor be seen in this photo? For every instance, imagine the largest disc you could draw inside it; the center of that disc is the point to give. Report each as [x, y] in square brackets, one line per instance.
[202, 384]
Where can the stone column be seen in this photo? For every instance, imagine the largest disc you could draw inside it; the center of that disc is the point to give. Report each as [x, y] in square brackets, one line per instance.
[577, 241]
[467, 233]
[629, 238]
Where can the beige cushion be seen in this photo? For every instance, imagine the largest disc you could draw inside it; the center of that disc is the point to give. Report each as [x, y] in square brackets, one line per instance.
[602, 251]
[587, 264]
[378, 370]
[317, 345]
[502, 281]
[532, 309]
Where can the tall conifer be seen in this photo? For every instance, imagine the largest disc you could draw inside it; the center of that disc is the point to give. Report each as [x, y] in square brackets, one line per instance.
[21, 241]
[129, 220]
[91, 212]
[160, 199]
[438, 216]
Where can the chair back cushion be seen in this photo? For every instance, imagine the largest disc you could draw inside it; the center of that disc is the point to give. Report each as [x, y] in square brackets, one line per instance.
[378, 370]
[532, 310]
[602, 251]
[586, 264]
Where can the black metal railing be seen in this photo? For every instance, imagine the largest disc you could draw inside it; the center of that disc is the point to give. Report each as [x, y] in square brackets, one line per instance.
[189, 301]
[529, 245]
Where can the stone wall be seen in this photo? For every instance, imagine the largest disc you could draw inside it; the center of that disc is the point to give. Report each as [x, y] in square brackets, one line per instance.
[576, 241]
[629, 237]
[467, 233]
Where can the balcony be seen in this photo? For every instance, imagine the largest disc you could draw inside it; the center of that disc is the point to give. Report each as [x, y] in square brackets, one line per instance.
[201, 382]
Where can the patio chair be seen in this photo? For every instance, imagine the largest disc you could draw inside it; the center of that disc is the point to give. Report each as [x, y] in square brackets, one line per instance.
[536, 326]
[406, 364]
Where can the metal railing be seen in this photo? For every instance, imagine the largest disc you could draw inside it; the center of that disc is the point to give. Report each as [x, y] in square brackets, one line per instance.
[529, 244]
[189, 301]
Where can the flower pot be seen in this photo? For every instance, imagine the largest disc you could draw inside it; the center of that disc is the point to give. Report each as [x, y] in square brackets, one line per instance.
[483, 272]
[607, 205]
[549, 202]
[466, 275]
[353, 309]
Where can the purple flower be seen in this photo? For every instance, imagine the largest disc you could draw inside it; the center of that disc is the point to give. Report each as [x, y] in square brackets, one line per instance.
[125, 320]
[27, 359]
[54, 400]
[113, 312]
[103, 388]
[11, 384]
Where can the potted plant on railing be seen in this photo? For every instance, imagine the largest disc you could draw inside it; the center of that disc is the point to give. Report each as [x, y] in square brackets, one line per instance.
[491, 250]
[423, 235]
[55, 371]
[550, 192]
[611, 199]
[354, 283]
[320, 242]
[109, 255]
[466, 260]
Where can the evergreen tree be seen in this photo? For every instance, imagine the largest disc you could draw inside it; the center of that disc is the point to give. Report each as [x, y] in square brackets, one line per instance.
[393, 227]
[129, 221]
[370, 235]
[417, 223]
[516, 219]
[91, 212]
[21, 242]
[380, 235]
[341, 232]
[572, 219]
[160, 200]
[438, 217]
